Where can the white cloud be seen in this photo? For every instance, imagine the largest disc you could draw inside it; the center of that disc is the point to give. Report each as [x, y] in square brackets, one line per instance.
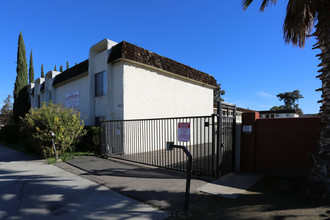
[265, 95]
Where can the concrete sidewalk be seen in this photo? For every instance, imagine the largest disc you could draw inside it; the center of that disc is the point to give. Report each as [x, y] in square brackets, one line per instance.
[32, 189]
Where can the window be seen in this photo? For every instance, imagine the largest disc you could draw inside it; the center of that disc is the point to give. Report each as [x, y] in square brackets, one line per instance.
[100, 84]
[38, 101]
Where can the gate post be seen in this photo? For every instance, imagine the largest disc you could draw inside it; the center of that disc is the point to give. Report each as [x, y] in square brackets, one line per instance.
[214, 169]
[219, 139]
[234, 139]
[102, 138]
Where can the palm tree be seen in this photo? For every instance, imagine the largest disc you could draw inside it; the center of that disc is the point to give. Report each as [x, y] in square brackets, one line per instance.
[303, 16]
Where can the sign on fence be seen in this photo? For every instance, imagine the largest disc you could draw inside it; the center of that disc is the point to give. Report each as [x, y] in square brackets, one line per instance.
[247, 128]
[184, 131]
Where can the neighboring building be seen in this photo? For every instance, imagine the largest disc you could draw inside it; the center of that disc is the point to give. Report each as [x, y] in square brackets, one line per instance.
[240, 112]
[122, 81]
[279, 114]
[229, 111]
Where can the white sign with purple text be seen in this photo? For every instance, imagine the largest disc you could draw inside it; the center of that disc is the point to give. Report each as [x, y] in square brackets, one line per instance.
[184, 131]
[72, 99]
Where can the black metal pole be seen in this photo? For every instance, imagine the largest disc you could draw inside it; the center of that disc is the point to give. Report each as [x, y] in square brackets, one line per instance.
[185, 150]
[219, 140]
[214, 170]
[100, 136]
[234, 139]
[53, 142]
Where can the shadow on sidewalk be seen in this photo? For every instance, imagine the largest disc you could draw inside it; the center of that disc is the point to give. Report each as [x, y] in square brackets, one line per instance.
[39, 197]
[166, 189]
[10, 155]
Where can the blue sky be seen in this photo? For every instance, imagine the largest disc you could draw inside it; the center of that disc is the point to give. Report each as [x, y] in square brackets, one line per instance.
[243, 50]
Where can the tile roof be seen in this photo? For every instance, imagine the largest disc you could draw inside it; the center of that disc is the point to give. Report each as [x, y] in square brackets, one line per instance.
[71, 72]
[138, 54]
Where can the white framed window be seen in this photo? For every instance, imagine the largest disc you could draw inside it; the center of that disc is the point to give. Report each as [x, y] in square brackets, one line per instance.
[100, 84]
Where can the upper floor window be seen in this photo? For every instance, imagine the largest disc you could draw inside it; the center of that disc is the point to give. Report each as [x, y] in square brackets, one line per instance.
[100, 84]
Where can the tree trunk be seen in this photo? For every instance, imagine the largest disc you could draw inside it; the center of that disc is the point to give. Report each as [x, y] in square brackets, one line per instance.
[321, 168]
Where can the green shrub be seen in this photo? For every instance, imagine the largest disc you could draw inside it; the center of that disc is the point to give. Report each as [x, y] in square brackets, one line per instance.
[90, 142]
[9, 133]
[65, 123]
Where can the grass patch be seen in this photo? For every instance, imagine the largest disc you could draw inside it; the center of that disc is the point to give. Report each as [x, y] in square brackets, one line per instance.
[19, 146]
[68, 156]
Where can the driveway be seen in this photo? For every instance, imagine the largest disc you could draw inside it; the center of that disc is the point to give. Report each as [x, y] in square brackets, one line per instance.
[33, 189]
[165, 189]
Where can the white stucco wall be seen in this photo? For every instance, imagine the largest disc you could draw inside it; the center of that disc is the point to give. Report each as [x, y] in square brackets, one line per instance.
[98, 55]
[153, 94]
[50, 76]
[79, 84]
[101, 102]
[115, 91]
[100, 62]
[34, 98]
[42, 97]
[148, 93]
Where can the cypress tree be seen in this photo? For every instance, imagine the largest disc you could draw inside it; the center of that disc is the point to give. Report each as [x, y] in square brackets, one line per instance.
[31, 69]
[42, 71]
[75, 63]
[61, 68]
[21, 80]
[67, 65]
[55, 68]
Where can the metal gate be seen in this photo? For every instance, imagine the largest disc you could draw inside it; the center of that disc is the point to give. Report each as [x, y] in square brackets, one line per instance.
[227, 131]
[144, 141]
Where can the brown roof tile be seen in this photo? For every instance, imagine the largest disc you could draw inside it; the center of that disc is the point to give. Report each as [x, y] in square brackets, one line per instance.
[138, 54]
[71, 72]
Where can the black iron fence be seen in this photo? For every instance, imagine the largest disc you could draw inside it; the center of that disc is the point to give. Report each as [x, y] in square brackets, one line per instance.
[144, 141]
